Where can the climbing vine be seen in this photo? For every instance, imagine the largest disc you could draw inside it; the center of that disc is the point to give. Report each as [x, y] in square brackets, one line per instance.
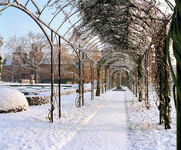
[98, 80]
[162, 77]
[140, 75]
[127, 79]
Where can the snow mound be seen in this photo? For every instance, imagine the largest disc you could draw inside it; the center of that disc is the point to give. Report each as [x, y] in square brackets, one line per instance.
[12, 101]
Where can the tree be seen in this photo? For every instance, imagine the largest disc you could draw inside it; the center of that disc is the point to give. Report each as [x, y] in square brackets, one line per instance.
[29, 51]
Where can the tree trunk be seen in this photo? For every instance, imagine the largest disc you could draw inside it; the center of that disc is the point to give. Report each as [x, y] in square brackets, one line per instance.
[36, 76]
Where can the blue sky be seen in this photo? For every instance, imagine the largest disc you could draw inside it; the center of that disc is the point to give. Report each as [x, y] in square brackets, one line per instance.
[15, 22]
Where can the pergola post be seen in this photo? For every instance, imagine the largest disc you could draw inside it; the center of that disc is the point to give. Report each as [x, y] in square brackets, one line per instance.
[131, 82]
[133, 86]
[52, 81]
[59, 76]
[110, 79]
[83, 79]
[80, 80]
[102, 79]
[146, 75]
[106, 67]
[92, 82]
[98, 80]
[119, 79]
[136, 92]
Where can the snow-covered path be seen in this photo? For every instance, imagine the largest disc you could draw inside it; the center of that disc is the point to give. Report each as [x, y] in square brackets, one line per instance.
[108, 129]
[116, 120]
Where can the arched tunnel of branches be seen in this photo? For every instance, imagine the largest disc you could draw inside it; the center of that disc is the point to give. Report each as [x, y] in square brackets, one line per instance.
[115, 38]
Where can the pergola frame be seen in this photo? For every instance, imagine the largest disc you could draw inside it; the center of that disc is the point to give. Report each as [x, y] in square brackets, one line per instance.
[101, 47]
[92, 48]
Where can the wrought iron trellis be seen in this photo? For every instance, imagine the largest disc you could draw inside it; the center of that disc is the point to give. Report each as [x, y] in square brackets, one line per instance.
[36, 16]
[85, 46]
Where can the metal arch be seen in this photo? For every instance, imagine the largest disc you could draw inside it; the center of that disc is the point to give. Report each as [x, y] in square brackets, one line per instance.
[33, 17]
[43, 9]
[92, 42]
[90, 14]
[86, 50]
[27, 2]
[67, 19]
[81, 35]
[114, 53]
[107, 55]
[58, 13]
[95, 44]
[87, 36]
[117, 70]
[91, 37]
[112, 63]
[78, 37]
[39, 21]
[10, 4]
[71, 27]
[123, 64]
[51, 44]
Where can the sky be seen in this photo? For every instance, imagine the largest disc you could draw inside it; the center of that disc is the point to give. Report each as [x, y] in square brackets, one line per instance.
[15, 22]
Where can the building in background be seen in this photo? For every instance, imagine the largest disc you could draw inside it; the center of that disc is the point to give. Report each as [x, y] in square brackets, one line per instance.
[23, 65]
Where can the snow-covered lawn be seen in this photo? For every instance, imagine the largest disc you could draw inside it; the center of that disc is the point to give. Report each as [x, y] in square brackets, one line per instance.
[144, 130]
[111, 121]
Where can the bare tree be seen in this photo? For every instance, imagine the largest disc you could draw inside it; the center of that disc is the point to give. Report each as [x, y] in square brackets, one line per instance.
[29, 51]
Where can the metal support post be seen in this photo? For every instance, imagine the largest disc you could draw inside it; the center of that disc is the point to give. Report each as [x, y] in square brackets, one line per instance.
[82, 78]
[146, 76]
[92, 82]
[106, 78]
[52, 81]
[59, 77]
[102, 80]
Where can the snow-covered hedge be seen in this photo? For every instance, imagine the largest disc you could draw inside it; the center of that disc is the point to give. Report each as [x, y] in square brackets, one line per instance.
[12, 101]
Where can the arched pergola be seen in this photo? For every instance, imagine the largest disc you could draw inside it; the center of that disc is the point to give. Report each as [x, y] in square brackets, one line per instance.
[114, 35]
[115, 40]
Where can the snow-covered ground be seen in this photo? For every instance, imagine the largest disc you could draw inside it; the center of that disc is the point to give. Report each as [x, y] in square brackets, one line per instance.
[115, 120]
